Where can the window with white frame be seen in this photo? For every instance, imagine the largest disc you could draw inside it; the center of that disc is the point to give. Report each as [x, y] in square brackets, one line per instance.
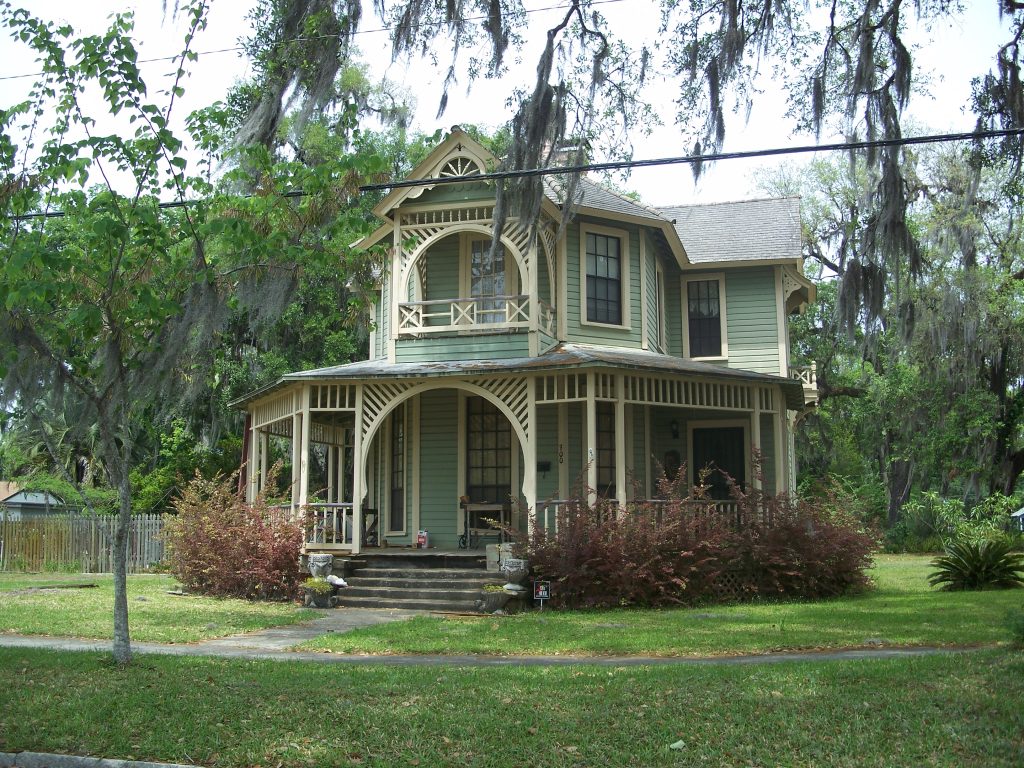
[605, 267]
[704, 317]
[487, 280]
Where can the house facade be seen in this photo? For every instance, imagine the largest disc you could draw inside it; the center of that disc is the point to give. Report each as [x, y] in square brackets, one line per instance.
[591, 356]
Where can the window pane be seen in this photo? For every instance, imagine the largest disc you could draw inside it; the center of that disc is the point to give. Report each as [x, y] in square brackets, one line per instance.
[604, 285]
[704, 318]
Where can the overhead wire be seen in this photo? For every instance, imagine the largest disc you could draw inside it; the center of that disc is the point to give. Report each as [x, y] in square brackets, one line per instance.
[629, 164]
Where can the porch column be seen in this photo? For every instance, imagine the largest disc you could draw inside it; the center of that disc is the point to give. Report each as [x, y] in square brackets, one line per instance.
[620, 441]
[530, 454]
[533, 268]
[357, 473]
[778, 425]
[591, 443]
[296, 448]
[264, 458]
[252, 470]
[331, 477]
[755, 433]
[307, 432]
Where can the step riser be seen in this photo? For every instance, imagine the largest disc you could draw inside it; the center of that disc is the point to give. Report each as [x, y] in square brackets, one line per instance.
[425, 573]
[405, 583]
[409, 604]
[415, 593]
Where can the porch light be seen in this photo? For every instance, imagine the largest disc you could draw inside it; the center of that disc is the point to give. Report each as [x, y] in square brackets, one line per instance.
[673, 427]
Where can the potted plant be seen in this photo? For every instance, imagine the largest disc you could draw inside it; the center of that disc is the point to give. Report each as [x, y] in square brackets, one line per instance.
[319, 592]
[493, 598]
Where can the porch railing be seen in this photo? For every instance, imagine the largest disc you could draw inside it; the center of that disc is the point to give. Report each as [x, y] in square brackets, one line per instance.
[445, 315]
[551, 514]
[329, 526]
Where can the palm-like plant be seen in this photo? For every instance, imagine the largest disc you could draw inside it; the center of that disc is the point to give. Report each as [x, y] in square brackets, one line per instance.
[967, 564]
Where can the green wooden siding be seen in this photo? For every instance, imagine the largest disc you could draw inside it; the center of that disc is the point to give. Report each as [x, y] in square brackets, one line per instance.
[595, 333]
[547, 450]
[752, 321]
[442, 270]
[673, 304]
[574, 450]
[496, 346]
[456, 193]
[439, 461]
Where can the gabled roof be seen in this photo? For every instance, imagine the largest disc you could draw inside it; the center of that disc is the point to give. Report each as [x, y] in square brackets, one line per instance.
[748, 230]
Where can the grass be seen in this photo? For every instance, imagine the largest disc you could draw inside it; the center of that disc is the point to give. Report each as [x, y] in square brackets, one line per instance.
[960, 710]
[902, 610]
[153, 615]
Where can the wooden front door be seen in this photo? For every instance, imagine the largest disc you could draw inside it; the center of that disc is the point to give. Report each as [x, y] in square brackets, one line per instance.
[724, 450]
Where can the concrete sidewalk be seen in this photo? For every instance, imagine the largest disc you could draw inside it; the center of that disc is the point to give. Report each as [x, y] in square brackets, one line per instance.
[274, 644]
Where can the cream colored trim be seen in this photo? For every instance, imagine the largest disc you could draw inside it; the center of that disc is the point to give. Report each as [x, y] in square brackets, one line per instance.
[590, 445]
[620, 442]
[661, 304]
[726, 263]
[358, 460]
[561, 318]
[626, 261]
[780, 314]
[755, 434]
[666, 227]
[414, 410]
[460, 460]
[685, 312]
[644, 288]
[710, 424]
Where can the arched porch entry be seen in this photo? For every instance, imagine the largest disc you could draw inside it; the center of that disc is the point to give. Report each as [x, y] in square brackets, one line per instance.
[424, 445]
[395, 443]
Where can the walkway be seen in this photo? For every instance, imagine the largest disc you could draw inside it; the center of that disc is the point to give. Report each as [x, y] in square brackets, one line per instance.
[273, 644]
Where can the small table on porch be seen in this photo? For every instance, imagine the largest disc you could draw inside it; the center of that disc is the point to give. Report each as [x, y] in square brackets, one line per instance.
[476, 523]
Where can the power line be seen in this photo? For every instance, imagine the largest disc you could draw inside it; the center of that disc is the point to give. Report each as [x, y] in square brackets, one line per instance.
[942, 138]
[697, 159]
[314, 38]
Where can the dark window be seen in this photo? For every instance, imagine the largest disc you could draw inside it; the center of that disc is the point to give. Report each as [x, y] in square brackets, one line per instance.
[704, 318]
[604, 279]
[396, 514]
[606, 450]
[488, 453]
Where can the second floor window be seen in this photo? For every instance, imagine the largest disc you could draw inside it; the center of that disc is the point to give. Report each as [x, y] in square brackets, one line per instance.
[487, 280]
[604, 279]
[704, 318]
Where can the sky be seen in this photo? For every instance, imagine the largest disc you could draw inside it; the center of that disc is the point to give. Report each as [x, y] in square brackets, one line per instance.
[959, 52]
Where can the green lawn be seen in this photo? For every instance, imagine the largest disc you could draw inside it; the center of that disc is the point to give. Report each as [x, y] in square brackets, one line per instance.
[958, 711]
[902, 610]
[153, 615]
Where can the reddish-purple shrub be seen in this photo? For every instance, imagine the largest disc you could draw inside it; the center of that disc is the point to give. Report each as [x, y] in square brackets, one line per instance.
[689, 550]
[220, 545]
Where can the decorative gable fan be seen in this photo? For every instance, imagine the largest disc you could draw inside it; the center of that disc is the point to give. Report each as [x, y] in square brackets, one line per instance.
[460, 166]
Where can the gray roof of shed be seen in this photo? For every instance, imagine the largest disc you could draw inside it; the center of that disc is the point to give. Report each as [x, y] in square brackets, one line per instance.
[745, 230]
[559, 357]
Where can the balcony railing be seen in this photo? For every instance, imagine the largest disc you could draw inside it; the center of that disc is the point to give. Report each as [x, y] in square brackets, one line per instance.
[477, 314]
[329, 526]
[808, 376]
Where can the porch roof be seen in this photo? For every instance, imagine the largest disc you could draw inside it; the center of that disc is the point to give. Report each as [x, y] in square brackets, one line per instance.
[561, 357]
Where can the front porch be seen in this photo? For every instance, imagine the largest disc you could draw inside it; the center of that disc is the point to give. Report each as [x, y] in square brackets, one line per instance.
[445, 448]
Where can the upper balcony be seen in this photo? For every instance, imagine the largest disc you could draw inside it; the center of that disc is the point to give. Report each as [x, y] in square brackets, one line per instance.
[808, 376]
[491, 314]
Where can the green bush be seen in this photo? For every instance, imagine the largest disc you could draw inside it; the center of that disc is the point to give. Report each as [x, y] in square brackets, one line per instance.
[1015, 623]
[973, 564]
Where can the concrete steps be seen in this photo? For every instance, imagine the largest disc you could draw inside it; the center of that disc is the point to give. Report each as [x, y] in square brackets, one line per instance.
[415, 587]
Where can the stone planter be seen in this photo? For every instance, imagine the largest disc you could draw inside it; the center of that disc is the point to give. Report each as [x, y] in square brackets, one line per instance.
[319, 599]
[489, 602]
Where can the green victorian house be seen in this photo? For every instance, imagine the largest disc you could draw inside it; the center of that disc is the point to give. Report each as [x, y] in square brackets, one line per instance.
[637, 339]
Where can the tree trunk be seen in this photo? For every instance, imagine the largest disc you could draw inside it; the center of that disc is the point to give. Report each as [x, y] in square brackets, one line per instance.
[117, 459]
[899, 476]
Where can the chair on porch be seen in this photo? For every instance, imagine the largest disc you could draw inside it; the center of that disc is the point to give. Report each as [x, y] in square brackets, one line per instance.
[483, 521]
